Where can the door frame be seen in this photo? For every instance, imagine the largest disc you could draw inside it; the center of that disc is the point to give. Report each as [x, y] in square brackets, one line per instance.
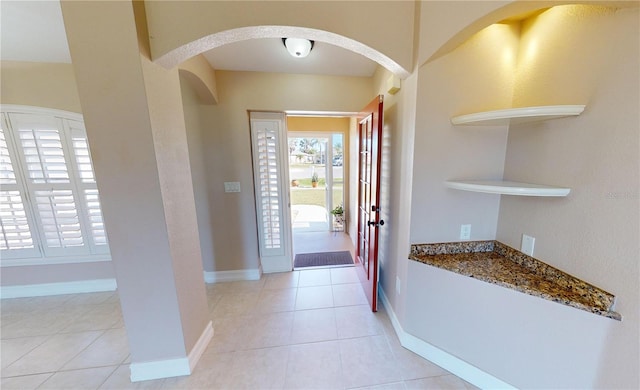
[328, 165]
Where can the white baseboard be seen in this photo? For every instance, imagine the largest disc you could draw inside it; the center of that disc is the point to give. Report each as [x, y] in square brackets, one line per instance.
[201, 345]
[232, 276]
[44, 289]
[172, 367]
[454, 365]
[159, 369]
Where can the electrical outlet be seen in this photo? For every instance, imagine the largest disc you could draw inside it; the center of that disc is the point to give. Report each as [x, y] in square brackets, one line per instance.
[397, 285]
[527, 244]
[465, 232]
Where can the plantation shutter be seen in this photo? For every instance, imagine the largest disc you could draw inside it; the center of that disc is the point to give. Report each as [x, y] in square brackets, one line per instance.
[16, 237]
[272, 205]
[40, 143]
[60, 183]
[85, 181]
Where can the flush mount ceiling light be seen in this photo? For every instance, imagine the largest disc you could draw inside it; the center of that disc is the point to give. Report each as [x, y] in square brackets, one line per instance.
[298, 47]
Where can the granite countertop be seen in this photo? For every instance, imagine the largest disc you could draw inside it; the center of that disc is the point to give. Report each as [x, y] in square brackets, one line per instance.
[494, 262]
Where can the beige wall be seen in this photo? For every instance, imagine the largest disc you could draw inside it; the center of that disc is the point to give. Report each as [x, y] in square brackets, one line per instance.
[445, 25]
[227, 148]
[476, 76]
[40, 85]
[593, 233]
[525, 341]
[191, 102]
[202, 77]
[441, 24]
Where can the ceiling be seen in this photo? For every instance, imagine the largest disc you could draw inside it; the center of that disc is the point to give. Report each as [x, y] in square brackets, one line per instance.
[34, 31]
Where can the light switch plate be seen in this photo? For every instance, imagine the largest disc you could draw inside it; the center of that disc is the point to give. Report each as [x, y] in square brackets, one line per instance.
[231, 186]
[465, 232]
[527, 245]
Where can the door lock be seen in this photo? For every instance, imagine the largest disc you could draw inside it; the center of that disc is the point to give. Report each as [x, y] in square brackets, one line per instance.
[376, 224]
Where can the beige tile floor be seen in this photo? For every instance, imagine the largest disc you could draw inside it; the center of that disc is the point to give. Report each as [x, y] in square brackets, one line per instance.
[297, 330]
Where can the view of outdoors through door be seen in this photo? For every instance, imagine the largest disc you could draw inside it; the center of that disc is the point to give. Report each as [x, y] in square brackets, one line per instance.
[317, 181]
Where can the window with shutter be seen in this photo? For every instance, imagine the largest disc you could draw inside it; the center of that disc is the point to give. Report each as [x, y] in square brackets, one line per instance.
[53, 204]
[268, 162]
[272, 206]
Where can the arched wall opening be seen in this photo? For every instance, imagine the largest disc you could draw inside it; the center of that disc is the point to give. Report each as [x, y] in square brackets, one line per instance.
[447, 33]
[201, 45]
[180, 30]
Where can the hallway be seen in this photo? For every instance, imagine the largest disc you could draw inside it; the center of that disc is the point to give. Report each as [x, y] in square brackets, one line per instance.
[303, 329]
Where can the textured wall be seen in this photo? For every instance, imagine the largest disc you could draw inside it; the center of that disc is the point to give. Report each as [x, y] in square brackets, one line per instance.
[476, 76]
[191, 103]
[584, 55]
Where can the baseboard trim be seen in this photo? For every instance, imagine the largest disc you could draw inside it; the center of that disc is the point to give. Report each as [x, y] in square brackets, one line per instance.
[454, 365]
[45, 289]
[232, 276]
[173, 367]
[200, 346]
[159, 369]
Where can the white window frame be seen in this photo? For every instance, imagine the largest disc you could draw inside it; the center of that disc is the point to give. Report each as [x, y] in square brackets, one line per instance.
[66, 123]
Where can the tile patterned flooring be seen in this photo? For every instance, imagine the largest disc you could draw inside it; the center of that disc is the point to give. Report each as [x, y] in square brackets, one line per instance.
[298, 330]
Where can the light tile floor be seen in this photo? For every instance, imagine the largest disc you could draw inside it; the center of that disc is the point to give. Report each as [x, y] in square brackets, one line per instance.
[298, 330]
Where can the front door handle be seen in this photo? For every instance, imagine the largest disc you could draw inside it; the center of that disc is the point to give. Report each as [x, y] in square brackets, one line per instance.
[376, 224]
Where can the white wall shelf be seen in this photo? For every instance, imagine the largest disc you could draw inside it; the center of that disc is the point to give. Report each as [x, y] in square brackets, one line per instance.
[513, 116]
[508, 188]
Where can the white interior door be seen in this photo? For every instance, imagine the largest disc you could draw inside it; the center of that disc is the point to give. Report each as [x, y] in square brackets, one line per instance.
[271, 177]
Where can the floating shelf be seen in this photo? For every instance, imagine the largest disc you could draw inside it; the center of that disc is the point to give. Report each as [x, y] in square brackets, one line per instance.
[513, 116]
[508, 188]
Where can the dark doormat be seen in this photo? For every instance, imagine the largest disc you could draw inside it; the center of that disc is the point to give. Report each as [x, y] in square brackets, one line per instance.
[322, 259]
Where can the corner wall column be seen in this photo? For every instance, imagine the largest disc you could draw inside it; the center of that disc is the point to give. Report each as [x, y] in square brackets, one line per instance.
[135, 125]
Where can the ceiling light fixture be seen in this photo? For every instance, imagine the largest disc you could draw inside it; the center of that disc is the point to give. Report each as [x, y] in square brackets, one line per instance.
[298, 47]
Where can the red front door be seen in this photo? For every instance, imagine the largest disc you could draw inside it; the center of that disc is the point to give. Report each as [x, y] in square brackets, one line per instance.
[369, 156]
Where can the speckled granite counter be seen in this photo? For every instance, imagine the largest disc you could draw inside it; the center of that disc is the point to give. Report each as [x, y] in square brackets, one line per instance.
[494, 262]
